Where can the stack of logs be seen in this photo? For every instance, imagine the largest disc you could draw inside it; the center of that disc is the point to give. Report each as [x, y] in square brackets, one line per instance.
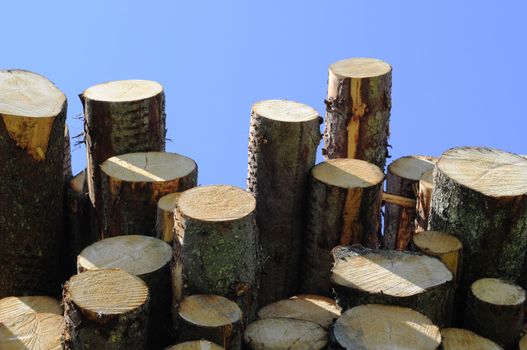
[143, 259]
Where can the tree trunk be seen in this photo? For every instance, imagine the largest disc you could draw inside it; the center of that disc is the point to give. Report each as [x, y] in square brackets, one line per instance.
[120, 117]
[133, 183]
[358, 110]
[344, 208]
[366, 276]
[283, 140]
[402, 179]
[462, 339]
[106, 309]
[165, 217]
[32, 119]
[196, 345]
[424, 197]
[443, 246]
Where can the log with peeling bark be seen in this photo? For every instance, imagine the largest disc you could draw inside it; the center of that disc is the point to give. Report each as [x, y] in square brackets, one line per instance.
[358, 110]
[463, 339]
[495, 310]
[443, 246]
[366, 276]
[210, 317]
[344, 207]
[402, 179]
[120, 117]
[106, 309]
[217, 247]
[32, 119]
[424, 197]
[196, 345]
[132, 184]
[165, 217]
[283, 140]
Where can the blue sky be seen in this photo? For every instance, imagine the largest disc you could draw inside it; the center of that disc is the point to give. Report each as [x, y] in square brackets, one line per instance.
[459, 67]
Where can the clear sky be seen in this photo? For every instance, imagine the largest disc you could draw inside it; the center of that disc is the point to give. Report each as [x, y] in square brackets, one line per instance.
[459, 67]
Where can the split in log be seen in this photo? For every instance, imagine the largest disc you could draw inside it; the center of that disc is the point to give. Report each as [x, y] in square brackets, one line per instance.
[219, 252]
[462, 339]
[424, 197]
[284, 136]
[106, 309]
[372, 327]
[196, 345]
[495, 310]
[344, 208]
[165, 217]
[32, 120]
[133, 183]
[210, 317]
[443, 246]
[285, 334]
[365, 276]
[402, 179]
[358, 110]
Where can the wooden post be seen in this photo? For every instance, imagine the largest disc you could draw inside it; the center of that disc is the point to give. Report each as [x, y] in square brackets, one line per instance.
[495, 310]
[219, 252]
[283, 140]
[106, 309]
[358, 110]
[403, 179]
[463, 339]
[32, 119]
[424, 197]
[147, 258]
[210, 317]
[165, 217]
[133, 183]
[366, 276]
[196, 345]
[443, 246]
[120, 117]
[344, 208]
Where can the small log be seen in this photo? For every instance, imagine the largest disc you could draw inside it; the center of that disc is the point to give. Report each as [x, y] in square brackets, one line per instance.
[218, 252]
[133, 183]
[495, 310]
[443, 246]
[385, 327]
[285, 334]
[196, 345]
[424, 197]
[344, 208]
[403, 179]
[106, 309]
[463, 339]
[283, 140]
[147, 258]
[165, 217]
[210, 317]
[314, 308]
[366, 276]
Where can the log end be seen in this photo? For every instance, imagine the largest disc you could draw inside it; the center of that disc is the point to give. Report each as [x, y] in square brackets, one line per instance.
[498, 292]
[196, 345]
[209, 311]
[462, 339]
[123, 91]
[284, 111]
[360, 67]
[412, 167]
[348, 173]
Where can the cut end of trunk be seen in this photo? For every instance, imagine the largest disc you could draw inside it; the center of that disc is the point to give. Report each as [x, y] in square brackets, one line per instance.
[284, 111]
[32, 331]
[196, 345]
[498, 292]
[168, 202]
[412, 167]
[360, 67]
[123, 91]
[13, 307]
[209, 311]
[348, 173]
[436, 243]
[462, 339]
[426, 181]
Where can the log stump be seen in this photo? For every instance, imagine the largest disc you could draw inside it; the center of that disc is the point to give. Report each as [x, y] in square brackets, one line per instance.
[495, 310]
[196, 345]
[365, 276]
[106, 309]
[344, 208]
[443, 246]
[402, 179]
[32, 119]
[424, 197]
[133, 183]
[283, 140]
[358, 110]
[165, 217]
[210, 317]
[463, 339]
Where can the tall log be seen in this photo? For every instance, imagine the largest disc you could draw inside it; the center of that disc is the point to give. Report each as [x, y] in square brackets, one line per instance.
[365, 276]
[120, 117]
[32, 119]
[283, 140]
[358, 110]
[106, 309]
[166, 207]
[424, 197]
[443, 246]
[344, 208]
[403, 179]
[196, 345]
[133, 183]
[462, 339]
[218, 252]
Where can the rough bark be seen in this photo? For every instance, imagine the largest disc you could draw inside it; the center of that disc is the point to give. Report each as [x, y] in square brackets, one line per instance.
[462, 339]
[165, 217]
[67, 155]
[443, 246]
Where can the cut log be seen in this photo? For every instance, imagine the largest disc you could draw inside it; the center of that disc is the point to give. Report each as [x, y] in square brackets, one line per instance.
[358, 110]
[196, 345]
[283, 140]
[495, 310]
[120, 117]
[32, 119]
[165, 217]
[210, 317]
[443, 246]
[366, 276]
[424, 197]
[285, 334]
[372, 327]
[344, 208]
[314, 308]
[106, 309]
[217, 250]
[133, 183]
[147, 258]
[462, 339]
[403, 179]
